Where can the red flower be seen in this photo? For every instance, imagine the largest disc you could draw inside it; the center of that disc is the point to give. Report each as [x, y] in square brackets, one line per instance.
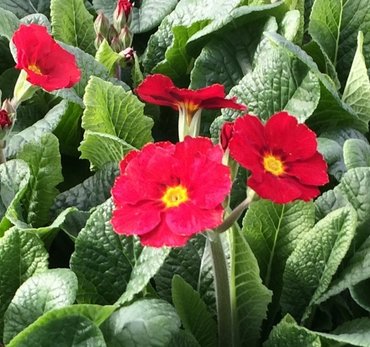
[5, 120]
[282, 157]
[124, 6]
[226, 135]
[166, 193]
[47, 64]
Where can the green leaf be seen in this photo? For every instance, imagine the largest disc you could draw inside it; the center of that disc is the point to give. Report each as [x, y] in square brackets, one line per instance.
[8, 23]
[37, 18]
[183, 339]
[34, 132]
[331, 112]
[360, 293]
[112, 111]
[107, 56]
[356, 153]
[96, 187]
[63, 328]
[22, 8]
[145, 323]
[357, 90]
[273, 232]
[310, 268]
[40, 293]
[193, 312]
[73, 24]
[225, 60]
[102, 260]
[288, 333]
[14, 178]
[333, 154]
[146, 266]
[43, 159]
[249, 297]
[26, 253]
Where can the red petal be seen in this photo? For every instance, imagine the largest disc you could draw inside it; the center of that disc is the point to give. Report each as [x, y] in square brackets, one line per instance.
[285, 136]
[309, 192]
[226, 134]
[312, 171]
[136, 220]
[213, 103]
[155, 90]
[163, 236]
[188, 219]
[127, 158]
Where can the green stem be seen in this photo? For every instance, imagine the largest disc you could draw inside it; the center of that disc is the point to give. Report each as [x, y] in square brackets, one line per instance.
[222, 290]
[2, 155]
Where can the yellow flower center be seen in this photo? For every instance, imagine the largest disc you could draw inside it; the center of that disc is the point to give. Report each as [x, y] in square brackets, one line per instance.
[34, 68]
[189, 108]
[273, 164]
[175, 196]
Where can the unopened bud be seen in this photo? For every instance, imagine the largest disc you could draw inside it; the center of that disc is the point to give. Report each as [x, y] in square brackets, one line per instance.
[125, 36]
[122, 14]
[98, 40]
[128, 54]
[101, 25]
[226, 135]
[5, 121]
[116, 44]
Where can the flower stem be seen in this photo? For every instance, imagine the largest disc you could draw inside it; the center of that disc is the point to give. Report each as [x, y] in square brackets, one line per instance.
[2, 155]
[222, 290]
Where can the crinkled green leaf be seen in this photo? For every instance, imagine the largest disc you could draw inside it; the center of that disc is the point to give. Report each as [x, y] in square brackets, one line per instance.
[310, 268]
[22, 251]
[249, 297]
[360, 293]
[73, 24]
[356, 153]
[112, 111]
[43, 159]
[357, 90]
[37, 18]
[41, 293]
[22, 8]
[193, 312]
[145, 323]
[62, 328]
[146, 266]
[8, 22]
[102, 260]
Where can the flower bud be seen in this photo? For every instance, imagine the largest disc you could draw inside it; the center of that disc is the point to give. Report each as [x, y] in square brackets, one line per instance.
[122, 14]
[101, 25]
[116, 44]
[128, 55]
[226, 135]
[5, 121]
[98, 40]
[125, 36]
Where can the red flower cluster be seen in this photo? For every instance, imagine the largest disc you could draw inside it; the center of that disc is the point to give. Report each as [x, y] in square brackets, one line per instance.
[166, 193]
[5, 120]
[282, 157]
[47, 64]
[159, 90]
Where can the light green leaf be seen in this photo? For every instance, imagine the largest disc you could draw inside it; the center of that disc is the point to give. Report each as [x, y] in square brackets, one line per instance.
[249, 297]
[310, 268]
[357, 90]
[43, 159]
[112, 111]
[193, 312]
[96, 187]
[107, 56]
[14, 179]
[146, 266]
[145, 323]
[40, 293]
[22, 8]
[26, 253]
[34, 133]
[273, 232]
[73, 24]
[225, 60]
[8, 23]
[356, 153]
[102, 260]
[37, 18]
[63, 328]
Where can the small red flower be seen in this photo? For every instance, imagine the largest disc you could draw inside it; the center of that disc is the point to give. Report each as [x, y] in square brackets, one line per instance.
[166, 193]
[124, 6]
[159, 90]
[47, 64]
[5, 120]
[282, 157]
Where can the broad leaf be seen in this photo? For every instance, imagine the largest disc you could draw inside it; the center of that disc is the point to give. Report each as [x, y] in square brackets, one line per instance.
[102, 260]
[146, 266]
[26, 253]
[8, 22]
[22, 8]
[249, 297]
[39, 294]
[73, 24]
[193, 312]
[356, 154]
[63, 328]
[112, 111]
[360, 293]
[43, 159]
[310, 268]
[107, 56]
[142, 325]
